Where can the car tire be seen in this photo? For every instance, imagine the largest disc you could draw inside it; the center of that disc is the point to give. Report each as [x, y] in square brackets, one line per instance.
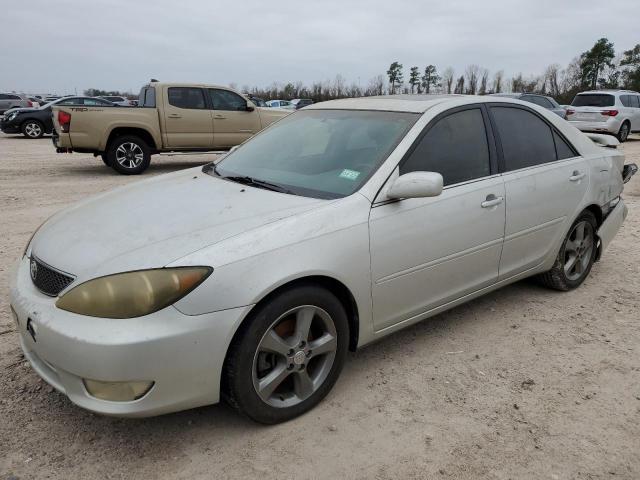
[105, 159]
[271, 373]
[576, 256]
[128, 155]
[624, 131]
[32, 129]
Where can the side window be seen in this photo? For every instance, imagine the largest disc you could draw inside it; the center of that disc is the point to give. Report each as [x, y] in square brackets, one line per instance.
[526, 139]
[625, 100]
[635, 101]
[456, 147]
[186, 97]
[147, 97]
[226, 100]
[15, 97]
[562, 148]
[70, 101]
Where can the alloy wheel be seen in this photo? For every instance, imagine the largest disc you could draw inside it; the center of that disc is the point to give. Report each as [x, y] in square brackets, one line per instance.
[129, 155]
[33, 130]
[578, 250]
[295, 356]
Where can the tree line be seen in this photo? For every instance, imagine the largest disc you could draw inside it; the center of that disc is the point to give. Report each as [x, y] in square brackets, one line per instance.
[597, 68]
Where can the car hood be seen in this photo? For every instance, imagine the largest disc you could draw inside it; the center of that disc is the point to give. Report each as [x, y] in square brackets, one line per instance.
[152, 223]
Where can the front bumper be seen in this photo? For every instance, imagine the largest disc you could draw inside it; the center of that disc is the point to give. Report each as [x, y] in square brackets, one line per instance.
[182, 354]
[612, 126]
[9, 127]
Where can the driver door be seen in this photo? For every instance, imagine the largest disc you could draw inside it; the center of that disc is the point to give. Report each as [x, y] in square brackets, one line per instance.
[233, 122]
[426, 252]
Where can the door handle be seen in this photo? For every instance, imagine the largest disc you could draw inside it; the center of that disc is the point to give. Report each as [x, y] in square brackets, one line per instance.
[174, 115]
[492, 201]
[219, 117]
[576, 175]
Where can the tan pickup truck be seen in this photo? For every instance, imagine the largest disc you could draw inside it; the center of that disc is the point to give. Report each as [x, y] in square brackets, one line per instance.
[170, 117]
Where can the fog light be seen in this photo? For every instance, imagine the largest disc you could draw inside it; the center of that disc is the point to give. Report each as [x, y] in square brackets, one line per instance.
[117, 391]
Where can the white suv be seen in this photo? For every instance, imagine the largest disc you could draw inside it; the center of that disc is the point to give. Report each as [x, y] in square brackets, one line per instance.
[606, 111]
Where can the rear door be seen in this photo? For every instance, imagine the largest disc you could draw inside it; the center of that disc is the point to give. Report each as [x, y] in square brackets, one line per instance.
[233, 123]
[426, 252]
[187, 120]
[635, 107]
[545, 180]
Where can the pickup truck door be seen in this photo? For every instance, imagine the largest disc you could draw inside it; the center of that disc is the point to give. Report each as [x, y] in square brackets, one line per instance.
[234, 120]
[187, 120]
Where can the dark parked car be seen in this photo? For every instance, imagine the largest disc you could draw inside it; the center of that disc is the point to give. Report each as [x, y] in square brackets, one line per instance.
[301, 102]
[35, 122]
[542, 100]
[258, 102]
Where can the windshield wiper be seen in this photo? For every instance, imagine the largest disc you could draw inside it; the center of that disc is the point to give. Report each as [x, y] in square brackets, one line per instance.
[246, 180]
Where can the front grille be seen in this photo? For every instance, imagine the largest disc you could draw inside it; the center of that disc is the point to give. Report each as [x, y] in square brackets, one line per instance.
[47, 279]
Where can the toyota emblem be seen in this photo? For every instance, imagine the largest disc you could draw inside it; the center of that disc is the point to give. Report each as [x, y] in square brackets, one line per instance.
[34, 270]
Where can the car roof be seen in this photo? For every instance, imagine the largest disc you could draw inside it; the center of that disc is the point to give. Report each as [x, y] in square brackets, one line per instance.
[606, 92]
[407, 103]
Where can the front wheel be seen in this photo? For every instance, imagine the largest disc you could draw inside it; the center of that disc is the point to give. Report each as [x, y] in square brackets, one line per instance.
[128, 155]
[576, 256]
[33, 129]
[287, 356]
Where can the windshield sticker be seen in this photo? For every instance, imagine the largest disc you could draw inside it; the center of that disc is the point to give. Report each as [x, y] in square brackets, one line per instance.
[349, 174]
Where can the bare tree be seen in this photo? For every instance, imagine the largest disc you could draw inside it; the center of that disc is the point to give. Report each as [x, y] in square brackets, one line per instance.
[484, 78]
[459, 85]
[447, 78]
[498, 79]
[376, 86]
[552, 79]
[471, 74]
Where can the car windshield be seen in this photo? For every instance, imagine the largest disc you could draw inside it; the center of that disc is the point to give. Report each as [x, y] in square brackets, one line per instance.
[318, 153]
[593, 100]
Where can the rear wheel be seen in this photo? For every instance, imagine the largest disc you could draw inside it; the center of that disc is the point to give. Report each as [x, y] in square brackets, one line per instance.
[623, 133]
[33, 129]
[576, 256]
[128, 155]
[287, 356]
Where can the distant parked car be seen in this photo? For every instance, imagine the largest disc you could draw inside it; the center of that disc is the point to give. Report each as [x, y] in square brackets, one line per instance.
[35, 122]
[281, 104]
[542, 100]
[13, 100]
[616, 112]
[123, 102]
[301, 102]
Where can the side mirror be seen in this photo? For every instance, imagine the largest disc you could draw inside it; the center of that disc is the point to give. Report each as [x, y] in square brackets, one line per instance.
[416, 185]
[249, 108]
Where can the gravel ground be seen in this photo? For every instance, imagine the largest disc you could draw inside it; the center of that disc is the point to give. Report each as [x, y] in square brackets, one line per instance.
[524, 383]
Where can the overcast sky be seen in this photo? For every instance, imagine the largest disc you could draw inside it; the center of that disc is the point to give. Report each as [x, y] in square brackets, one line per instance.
[65, 45]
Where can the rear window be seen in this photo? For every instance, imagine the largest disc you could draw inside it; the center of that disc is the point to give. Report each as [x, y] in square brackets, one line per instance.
[186, 97]
[593, 100]
[147, 97]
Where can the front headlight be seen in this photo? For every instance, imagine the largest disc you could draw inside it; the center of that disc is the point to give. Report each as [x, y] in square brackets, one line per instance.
[132, 294]
[12, 116]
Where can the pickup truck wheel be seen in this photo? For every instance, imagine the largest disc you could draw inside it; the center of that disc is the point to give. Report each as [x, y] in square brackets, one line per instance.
[105, 159]
[32, 129]
[576, 256]
[129, 155]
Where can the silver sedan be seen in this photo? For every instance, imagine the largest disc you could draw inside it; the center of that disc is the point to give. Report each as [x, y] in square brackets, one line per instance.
[249, 280]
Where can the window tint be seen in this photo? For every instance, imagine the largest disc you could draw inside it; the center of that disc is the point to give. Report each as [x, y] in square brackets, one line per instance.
[593, 100]
[226, 100]
[543, 102]
[15, 97]
[456, 147]
[186, 97]
[563, 149]
[625, 100]
[526, 139]
[94, 102]
[635, 101]
[70, 101]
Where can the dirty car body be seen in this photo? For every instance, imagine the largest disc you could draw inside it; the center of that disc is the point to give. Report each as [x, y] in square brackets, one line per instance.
[375, 214]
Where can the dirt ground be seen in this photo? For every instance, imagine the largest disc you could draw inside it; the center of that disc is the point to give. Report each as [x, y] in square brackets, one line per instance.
[524, 383]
